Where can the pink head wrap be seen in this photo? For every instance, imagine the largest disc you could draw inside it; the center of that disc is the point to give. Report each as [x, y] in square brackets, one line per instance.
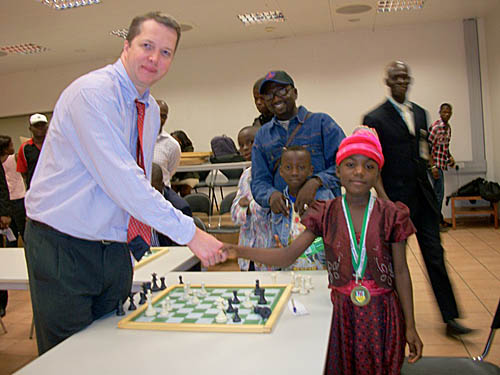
[363, 141]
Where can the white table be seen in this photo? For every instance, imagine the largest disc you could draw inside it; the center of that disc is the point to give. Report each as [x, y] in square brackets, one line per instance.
[213, 166]
[297, 345]
[14, 274]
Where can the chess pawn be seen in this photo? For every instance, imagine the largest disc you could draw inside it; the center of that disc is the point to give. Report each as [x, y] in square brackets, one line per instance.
[247, 303]
[303, 289]
[164, 309]
[274, 276]
[292, 278]
[188, 287]
[309, 283]
[203, 291]
[296, 284]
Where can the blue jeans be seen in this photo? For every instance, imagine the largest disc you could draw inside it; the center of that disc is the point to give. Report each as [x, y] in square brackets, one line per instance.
[439, 189]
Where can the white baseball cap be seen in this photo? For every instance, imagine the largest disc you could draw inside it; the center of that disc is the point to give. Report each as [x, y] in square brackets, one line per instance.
[37, 117]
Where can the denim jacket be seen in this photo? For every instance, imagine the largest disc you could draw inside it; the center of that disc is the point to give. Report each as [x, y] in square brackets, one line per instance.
[281, 226]
[320, 134]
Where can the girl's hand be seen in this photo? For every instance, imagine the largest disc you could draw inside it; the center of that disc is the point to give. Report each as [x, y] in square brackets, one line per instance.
[244, 202]
[415, 345]
[229, 250]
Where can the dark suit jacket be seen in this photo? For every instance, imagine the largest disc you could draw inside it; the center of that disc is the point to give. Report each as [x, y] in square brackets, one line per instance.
[404, 173]
[179, 203]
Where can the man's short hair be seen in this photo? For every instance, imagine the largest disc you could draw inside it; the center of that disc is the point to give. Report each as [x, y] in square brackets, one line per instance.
[164, 19]
[445, 105]
[294, 148]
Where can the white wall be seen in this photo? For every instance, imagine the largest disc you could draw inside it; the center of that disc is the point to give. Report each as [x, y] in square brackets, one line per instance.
[209, 89]
[492, 55]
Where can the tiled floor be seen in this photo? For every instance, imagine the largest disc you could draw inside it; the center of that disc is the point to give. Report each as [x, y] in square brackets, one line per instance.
[473, 255]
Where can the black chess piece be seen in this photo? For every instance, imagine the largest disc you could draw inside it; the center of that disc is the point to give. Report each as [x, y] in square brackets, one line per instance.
[144, 287]
[236, 317]
[180, 280]
[265, 312]
[257, 288]
[262, 299]
[230, 309]
[143, 298]
[163, 286]
[236, 301]
[155, 287]
[131, 305]
[119, 308]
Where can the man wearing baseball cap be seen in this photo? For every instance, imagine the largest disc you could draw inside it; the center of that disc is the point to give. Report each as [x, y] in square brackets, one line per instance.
[292, 125]
[30, 150]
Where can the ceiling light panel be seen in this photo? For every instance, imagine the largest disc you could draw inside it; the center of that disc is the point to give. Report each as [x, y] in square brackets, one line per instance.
[385, 6]
[24, 49]
[68, 4]
[261, 17]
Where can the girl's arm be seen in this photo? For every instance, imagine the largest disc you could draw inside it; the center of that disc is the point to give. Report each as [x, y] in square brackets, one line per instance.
[405, 293]
[281, 256]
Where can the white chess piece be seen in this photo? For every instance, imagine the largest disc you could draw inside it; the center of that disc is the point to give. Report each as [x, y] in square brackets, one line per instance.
[150, 310]
[164, 309]
[188, 288]
[309, 283]
[221, 316]
[247, 303]
[303, 289]
[203, 291]
[296, 284]
[195, 300]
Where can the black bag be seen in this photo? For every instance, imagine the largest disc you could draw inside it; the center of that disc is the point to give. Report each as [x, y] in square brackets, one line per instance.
[223, 145]
[470, 188]
[490, 191]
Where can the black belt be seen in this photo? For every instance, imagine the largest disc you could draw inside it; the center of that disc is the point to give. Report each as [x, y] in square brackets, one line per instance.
[48, 227]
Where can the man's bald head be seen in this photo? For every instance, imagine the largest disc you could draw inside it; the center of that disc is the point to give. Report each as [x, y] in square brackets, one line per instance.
[163, 112]
[398, 80]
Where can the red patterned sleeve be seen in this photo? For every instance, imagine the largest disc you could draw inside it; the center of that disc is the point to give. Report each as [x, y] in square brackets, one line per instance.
[314, 217]
[398, 225]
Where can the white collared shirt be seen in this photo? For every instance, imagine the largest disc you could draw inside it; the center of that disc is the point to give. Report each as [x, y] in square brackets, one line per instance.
[406, 112]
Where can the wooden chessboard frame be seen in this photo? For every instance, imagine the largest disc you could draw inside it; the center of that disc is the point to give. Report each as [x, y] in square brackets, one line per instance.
[129, 323]
[157, 252]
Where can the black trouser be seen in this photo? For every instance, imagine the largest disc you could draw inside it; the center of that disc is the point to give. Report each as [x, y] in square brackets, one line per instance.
[426, 220]
[18, 222]
[72, 281]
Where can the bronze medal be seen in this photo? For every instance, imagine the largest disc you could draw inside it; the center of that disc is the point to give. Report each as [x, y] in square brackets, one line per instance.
[360, 295]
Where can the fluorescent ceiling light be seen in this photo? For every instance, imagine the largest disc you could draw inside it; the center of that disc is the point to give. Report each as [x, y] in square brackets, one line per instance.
[68, 4]
[120, 33]
[384, 6]
[25, 49]
[261, 17]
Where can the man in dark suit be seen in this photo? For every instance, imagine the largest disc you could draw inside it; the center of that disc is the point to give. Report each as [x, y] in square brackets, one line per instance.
[402, 128]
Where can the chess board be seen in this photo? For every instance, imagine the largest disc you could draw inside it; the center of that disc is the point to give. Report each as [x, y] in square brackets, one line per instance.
[201, 317]
[156, 252]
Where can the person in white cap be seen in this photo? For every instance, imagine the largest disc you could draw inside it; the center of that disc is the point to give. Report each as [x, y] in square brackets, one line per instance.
[30, 150]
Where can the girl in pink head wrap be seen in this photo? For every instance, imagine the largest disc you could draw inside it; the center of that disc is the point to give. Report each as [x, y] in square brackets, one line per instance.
[365, 244]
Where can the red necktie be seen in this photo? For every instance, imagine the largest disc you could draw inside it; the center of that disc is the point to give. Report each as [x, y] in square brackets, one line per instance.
[135, 227]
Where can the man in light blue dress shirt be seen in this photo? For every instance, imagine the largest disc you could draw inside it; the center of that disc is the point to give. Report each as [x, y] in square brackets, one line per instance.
[88, 184]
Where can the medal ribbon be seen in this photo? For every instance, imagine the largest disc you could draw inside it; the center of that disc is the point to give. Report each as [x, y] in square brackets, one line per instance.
[358, 250]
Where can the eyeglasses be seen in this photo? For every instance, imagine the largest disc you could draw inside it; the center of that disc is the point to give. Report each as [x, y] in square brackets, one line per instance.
[281, 92]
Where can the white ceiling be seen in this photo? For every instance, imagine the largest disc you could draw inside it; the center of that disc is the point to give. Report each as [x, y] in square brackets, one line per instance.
[82, 34]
